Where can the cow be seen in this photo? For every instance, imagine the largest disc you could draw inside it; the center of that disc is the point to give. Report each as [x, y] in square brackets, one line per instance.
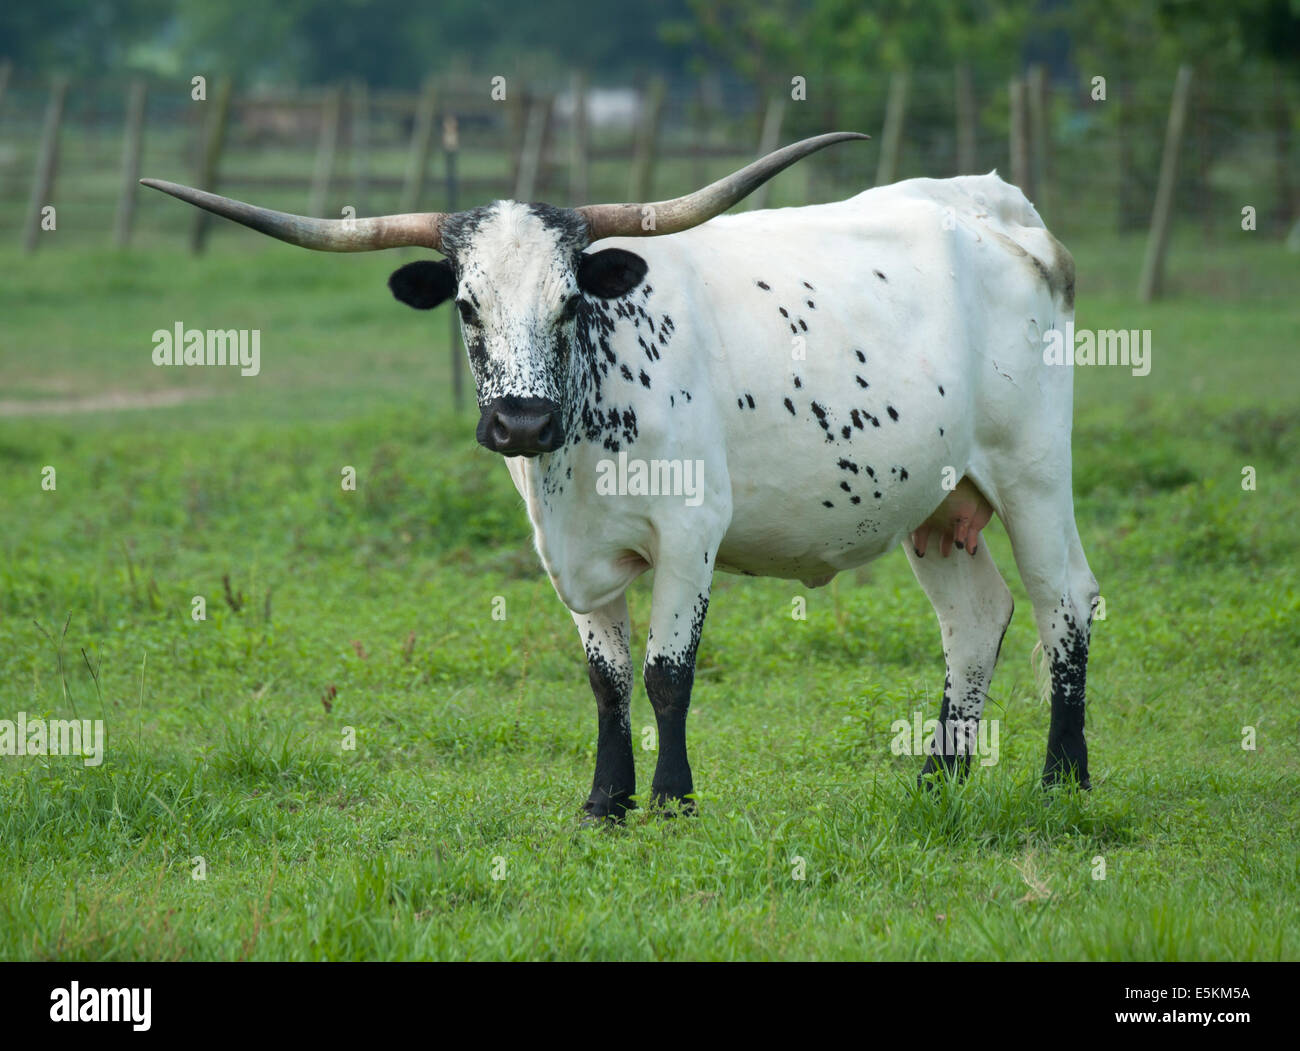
[835, 380]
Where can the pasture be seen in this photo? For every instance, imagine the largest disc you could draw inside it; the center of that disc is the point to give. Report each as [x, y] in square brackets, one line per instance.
[474, 736]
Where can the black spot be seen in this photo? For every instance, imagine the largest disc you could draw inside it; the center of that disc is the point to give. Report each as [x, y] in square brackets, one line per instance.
[861, 382]
[855, 499]
[861, 357]
[793, 328]
[876, 494]
[941, 390]
[764, 286]
[627, 373]
[750, 398]
[798, 382]
[645, 380]
[940, 432]
[790, 405]
[802, 325]
[893, 412]
[845, 487]
[809, 287]
[856, 417]
[880, 275]
[846, 430]
[827, 503]
[902, 475]
[784, 312]
[811, 304]
[847, 465]
[740, 403]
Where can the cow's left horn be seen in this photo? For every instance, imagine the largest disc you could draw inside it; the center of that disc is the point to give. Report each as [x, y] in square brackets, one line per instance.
[681, 213]
[415, 229]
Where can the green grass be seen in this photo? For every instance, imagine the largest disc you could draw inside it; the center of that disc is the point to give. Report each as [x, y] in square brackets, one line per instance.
[371, 610]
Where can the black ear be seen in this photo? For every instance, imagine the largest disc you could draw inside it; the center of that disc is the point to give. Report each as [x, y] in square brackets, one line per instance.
[610, 273]
[423, 285]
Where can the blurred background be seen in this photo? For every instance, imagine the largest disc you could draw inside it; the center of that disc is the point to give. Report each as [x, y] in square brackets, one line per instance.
[381, 105]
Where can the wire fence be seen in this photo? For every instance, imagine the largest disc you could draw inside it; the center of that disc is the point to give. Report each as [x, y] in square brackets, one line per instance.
[1090, 156]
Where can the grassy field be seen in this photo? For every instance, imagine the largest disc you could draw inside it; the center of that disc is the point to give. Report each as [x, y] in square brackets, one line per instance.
[370, 612]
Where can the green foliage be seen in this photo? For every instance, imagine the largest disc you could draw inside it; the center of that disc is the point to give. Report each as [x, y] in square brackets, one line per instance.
[370, 612]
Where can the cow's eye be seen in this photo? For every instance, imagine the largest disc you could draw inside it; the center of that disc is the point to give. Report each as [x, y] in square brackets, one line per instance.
[467, 314]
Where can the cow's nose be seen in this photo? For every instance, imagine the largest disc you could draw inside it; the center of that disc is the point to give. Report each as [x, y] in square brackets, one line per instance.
[521, 426]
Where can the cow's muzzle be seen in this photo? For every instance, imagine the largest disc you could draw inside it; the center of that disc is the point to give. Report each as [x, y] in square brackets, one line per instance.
[515, 426]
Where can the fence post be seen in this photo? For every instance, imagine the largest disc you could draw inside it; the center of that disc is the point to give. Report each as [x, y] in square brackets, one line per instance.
[417, 161]
[891, 138]
[768, 138]
[1153, 264]
[966, 120]
[450, 146]
[647, 143]
[210, 160]
[530, 156]
[1019, 124]
[359, 103]
[47, 163]
[131, 140]
[326, 144]
[1039, 133]
[578, 173]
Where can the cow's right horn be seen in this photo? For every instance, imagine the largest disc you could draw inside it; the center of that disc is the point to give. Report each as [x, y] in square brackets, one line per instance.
[415, 229]
[681, 213]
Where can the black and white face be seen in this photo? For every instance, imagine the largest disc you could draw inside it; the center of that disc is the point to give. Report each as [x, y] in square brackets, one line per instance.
[518, 275]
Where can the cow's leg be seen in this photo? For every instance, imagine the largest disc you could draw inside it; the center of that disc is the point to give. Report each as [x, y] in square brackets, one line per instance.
[1040, 521]
[974, 608]
[678, 605]
[605, 637]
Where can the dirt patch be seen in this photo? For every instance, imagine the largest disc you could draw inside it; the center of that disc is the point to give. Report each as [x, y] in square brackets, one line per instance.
[113, 401]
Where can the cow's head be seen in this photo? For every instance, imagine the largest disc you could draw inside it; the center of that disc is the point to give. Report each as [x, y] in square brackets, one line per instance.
[518, 274]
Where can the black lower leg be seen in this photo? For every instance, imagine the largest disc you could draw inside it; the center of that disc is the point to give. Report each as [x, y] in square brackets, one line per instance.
[614, 783]
[668, 682]
[1067, 751]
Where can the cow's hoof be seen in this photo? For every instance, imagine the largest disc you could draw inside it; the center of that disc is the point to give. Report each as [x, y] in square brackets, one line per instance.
[665, 804]
[942, 768]
[606, 810]
[1064, 776]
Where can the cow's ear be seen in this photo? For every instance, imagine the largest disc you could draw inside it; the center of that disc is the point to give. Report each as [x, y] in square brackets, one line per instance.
[423, 285]
[610, 273]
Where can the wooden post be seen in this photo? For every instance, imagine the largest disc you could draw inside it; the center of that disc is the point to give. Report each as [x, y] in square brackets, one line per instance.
[966, 121]
[326, 144]
[46, 164]
[131, 140]
[1039, 132]
[891, 138]
[768, 138]
[450, 146]
[578, 159]
[359, 99]
[1153, 265]
[1020, 174]
[647, 143]
[417, 161]
[530, 156]
[210, 160]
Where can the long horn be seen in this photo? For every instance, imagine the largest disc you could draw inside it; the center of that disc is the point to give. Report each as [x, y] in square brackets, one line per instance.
[417, 229]
[681, 213]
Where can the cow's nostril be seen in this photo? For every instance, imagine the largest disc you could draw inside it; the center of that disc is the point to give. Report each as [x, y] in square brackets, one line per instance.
[500, 432]
[544, 434]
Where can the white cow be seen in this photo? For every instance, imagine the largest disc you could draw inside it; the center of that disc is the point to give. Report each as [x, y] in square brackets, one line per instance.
[784, 393]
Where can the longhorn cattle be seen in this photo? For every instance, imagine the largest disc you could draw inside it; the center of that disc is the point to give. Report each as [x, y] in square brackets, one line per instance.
[834, 380]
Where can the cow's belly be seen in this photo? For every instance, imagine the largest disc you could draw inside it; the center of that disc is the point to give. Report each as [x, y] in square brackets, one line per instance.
[808, 510]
